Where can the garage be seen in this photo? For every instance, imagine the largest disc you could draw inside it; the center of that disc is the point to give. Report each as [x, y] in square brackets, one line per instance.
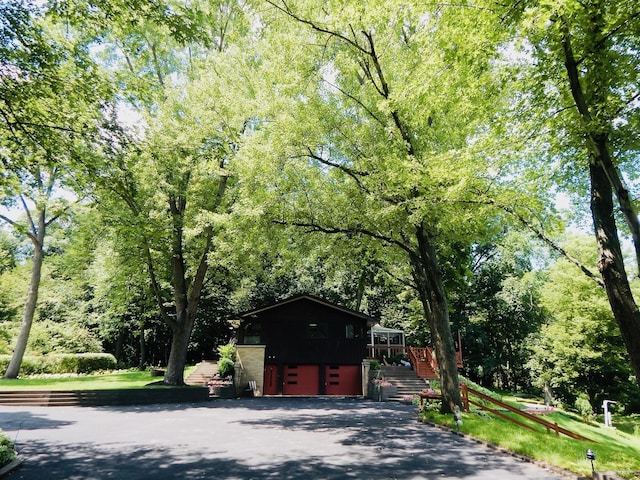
[343, 380]
[301, 380]
[310, 347]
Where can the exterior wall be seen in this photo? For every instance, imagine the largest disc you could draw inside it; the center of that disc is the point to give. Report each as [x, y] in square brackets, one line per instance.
[308, 348]
[250, 362]
[285, 332]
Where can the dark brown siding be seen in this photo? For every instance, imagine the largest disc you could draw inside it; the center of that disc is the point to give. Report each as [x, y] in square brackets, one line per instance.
[290, 337]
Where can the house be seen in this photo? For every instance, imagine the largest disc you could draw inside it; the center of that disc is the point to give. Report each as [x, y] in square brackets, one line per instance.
[303, 346]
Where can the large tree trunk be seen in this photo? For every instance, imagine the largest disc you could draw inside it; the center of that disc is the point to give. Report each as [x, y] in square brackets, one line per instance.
[142, 363]
[30, 306]
[428, 280]
[178, 354]
[611, 264]
[120, 346]
[603, 179]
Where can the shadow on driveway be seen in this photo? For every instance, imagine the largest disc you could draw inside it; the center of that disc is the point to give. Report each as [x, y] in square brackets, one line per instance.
[262, 438]
[26, 420]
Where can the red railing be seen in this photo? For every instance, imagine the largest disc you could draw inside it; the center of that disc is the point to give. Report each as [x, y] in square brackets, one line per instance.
[424, 362]
[422, 358]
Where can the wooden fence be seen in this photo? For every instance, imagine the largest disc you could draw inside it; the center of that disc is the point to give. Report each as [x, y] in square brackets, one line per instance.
[485, 400]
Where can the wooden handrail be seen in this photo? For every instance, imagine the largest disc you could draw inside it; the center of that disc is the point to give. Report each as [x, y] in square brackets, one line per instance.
[549, 426]
[423, 355]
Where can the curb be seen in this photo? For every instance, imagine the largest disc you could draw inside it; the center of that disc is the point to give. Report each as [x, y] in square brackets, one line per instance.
[10, 467]
[492, 446]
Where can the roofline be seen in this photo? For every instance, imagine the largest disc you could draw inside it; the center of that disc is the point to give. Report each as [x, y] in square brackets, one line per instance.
[313, 298]
[381, 329]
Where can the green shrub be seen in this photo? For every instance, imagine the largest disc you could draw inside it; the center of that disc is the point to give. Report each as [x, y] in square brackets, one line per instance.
[226, 367]
[7, 450]
[584, 408]
[48, 336]
[374, 365]
[62, 363]
[227, 351]
[396, 359]
[31, 365]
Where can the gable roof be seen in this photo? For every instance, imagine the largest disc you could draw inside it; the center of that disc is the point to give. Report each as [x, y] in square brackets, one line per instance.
[312, 298]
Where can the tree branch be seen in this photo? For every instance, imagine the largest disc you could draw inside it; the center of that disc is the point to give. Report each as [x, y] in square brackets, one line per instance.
[358, 101]
[313, 227]
[541, 235]
[287, 11]
[354, 174]
[34, 230]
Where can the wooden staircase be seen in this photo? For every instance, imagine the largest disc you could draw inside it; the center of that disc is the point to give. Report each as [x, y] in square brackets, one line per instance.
[405, 379]
[204, 371]
[425, 363]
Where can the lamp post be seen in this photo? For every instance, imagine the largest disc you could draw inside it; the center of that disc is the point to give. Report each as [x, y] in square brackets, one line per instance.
[607, 413]
[591, 456]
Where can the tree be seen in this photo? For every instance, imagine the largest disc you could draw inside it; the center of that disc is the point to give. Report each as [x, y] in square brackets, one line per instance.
[169, 191]
[47, 105]
[8, 251]
[498, 311]
[582, 95]
[580, 350]
[385, 105]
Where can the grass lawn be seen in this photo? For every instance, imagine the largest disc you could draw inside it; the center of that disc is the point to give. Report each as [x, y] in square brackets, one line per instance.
[615, 449]
[105, 381]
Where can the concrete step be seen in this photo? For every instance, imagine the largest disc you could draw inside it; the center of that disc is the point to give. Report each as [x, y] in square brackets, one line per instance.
[204, 371]
[38, 398]
[48, 398]
[410, 388]
[405, 380]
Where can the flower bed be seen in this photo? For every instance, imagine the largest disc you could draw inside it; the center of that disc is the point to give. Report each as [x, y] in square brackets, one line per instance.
[222, 387]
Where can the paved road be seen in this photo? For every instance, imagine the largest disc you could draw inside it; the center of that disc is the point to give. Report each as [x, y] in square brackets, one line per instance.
[262, 438]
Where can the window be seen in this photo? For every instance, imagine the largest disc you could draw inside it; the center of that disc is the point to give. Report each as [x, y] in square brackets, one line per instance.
[351, 330]
[252, 333]
[317, 330]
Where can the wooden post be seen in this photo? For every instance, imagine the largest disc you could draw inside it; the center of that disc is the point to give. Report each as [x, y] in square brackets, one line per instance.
[465, 396]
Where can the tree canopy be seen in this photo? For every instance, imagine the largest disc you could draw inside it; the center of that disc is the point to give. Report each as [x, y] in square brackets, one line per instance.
[209, 155]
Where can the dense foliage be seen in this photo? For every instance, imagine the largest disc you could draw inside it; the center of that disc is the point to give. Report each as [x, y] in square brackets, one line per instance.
[7, 450]
[166, 165]
[60, 363]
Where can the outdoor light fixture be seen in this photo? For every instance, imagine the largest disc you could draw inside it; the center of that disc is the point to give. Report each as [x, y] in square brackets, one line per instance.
[591, 456]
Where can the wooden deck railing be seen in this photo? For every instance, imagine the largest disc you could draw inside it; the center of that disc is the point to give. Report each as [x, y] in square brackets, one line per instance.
[422, 359]
[424, 354]
[505, 406]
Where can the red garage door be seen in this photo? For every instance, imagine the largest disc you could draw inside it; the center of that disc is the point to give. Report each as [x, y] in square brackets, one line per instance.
[270, 380]
[301, 380]
[343, 380]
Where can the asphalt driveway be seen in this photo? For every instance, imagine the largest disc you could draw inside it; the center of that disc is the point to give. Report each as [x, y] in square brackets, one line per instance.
[262, 438]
